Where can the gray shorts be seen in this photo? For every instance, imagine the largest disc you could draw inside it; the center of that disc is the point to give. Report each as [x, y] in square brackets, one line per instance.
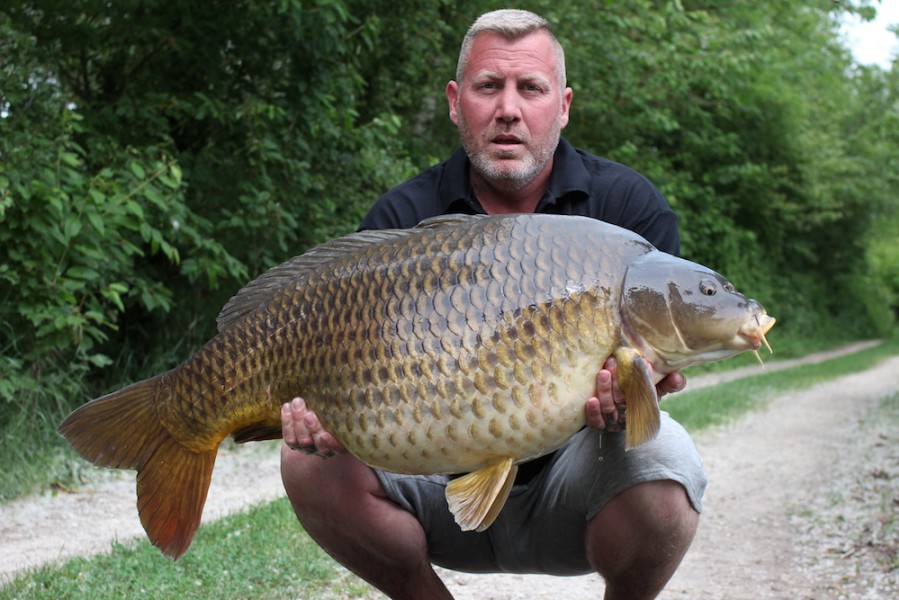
[541, 527]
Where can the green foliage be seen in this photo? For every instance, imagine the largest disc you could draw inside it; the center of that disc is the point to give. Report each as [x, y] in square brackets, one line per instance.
[156, 155]
[79, 216]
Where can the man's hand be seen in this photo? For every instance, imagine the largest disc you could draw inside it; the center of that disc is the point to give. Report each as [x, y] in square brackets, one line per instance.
[302, 431]
[606, 410]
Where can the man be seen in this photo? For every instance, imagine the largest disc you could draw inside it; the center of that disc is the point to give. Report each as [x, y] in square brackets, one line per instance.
[589, 506]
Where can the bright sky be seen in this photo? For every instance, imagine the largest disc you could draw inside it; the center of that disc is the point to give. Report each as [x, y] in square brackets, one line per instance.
[870, 42]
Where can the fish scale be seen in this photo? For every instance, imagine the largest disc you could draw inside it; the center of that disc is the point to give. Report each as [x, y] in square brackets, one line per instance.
[465, 345]
[475, 336]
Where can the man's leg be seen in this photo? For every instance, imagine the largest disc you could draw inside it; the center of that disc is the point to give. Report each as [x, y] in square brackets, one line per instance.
[639, 538]
[342, 505]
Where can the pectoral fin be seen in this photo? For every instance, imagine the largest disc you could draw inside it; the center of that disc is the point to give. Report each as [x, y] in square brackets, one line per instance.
[635, 380]
[476, 499]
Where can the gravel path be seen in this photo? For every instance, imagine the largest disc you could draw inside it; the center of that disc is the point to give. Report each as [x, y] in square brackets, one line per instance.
[803, 503]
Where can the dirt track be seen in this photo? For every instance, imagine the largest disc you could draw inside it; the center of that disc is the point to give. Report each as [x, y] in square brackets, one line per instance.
[803, 502]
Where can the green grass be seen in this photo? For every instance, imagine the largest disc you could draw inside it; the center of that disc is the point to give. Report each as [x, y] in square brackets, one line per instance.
[260, 554]
[265, 554]
[719, 404]
[34, 456]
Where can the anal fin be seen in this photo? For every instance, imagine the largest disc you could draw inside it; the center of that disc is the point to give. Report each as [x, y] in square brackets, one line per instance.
[477, 498]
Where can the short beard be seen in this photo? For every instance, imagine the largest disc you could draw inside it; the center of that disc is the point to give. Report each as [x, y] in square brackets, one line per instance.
[502, 177]
[509, 179]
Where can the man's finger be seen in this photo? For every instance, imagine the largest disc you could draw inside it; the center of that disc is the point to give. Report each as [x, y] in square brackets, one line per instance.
[671, 383]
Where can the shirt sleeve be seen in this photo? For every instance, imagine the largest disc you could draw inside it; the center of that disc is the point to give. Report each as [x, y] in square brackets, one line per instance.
[406, 205]
[659, 227]
[391, 211]
[428, 194]
[626, 198]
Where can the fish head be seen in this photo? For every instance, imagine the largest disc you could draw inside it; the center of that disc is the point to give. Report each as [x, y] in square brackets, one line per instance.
[679, 313]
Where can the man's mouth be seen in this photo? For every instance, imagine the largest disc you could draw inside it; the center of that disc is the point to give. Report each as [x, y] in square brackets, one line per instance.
[506, 140]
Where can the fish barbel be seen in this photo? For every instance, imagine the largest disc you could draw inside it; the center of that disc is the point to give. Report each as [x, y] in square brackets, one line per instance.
[464, 345]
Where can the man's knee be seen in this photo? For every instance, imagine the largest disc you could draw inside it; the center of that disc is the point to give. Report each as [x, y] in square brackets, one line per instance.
[638, 540]
[664, 506]
[317, 485]
[649, 524]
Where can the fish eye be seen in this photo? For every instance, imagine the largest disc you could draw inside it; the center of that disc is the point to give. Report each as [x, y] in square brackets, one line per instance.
[708, 287]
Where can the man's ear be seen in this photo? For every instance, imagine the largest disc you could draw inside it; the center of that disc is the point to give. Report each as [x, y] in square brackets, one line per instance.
[452, 98]
[566, 106]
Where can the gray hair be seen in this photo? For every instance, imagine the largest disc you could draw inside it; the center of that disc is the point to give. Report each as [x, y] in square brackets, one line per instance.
[512, 24]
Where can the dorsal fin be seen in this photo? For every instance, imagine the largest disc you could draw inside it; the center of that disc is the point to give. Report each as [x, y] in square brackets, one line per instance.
[288, 273]
[448, 220]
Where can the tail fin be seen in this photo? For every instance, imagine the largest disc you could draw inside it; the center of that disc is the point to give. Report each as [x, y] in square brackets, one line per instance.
[122, 430]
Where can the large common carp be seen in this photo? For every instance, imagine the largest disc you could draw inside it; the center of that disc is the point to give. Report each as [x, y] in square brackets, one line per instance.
[464, 345]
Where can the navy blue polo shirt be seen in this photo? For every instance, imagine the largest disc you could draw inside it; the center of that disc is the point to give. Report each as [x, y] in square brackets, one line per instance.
[580, 184]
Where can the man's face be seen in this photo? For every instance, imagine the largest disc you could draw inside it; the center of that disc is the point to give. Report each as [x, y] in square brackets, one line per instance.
[509, 107]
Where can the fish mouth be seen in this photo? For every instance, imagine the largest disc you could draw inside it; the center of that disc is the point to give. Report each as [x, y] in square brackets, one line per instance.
[755, 328]
[753, 333]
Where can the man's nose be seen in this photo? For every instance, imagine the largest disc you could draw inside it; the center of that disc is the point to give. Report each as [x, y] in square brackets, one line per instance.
[508, 105]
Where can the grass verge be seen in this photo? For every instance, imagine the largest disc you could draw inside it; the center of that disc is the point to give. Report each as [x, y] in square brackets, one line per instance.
[260, 554]
[716, 405]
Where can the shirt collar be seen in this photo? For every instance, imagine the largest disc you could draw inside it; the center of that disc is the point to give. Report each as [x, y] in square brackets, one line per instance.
[456, 194]
[569, 176]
